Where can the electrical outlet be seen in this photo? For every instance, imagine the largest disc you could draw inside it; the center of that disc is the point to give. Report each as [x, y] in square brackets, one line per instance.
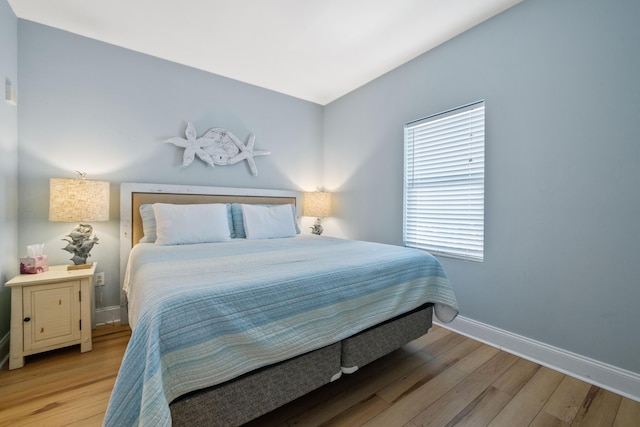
[100, 279]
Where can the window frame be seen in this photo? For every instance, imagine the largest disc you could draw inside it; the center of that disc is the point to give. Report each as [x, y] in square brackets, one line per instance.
[443, 180]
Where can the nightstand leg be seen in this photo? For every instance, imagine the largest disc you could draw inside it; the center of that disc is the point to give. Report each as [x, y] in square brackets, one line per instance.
[16, 362]
[85, 315]
[16, 349]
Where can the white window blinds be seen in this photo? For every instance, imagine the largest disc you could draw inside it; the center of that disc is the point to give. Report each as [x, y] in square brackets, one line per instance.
[444, 183]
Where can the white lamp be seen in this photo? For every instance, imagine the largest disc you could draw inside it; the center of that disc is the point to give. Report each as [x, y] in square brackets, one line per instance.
[79, 200]
[318, 204]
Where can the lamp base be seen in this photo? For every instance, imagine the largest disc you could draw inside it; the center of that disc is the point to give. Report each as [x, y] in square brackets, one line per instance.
[80, 243]
[79, 266]
[317, 227]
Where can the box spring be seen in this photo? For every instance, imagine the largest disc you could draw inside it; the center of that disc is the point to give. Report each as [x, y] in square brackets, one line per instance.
[256, 393]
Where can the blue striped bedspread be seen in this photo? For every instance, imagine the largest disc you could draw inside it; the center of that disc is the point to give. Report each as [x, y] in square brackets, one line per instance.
[207, 313]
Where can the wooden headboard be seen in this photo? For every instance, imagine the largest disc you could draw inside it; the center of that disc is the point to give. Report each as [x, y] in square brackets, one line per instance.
[132, 195]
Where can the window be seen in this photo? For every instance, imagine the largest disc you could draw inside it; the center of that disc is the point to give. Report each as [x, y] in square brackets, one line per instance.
[444, 183]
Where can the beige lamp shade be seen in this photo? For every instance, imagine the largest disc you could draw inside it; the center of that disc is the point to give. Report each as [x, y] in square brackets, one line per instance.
[74, 200]
[317, 203]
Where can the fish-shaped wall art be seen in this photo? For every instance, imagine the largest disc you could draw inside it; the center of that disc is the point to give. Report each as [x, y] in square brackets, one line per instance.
[217, 147]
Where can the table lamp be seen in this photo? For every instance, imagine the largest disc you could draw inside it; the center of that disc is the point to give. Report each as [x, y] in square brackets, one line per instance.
[318, 204]
[79, 200]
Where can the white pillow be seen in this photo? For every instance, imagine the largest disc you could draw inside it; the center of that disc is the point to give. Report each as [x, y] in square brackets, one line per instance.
[268, 222]
[185, 224]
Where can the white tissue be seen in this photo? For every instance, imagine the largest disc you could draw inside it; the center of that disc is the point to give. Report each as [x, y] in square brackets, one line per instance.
[35, 250]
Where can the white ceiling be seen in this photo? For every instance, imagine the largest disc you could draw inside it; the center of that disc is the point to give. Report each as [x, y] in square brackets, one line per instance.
[317, 50]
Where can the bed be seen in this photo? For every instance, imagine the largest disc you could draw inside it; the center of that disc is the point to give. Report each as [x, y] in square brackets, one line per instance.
[231, 326]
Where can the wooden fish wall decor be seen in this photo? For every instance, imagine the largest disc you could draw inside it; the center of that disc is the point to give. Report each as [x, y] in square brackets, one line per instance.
[217, 147]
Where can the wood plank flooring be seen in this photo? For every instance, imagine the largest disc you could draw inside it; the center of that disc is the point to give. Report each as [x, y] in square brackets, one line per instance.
[441, 379]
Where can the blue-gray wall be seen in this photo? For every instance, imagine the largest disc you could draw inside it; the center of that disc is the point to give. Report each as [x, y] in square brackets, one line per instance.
[8, 165]
[562, 213]
[104, 110]
[562, 206]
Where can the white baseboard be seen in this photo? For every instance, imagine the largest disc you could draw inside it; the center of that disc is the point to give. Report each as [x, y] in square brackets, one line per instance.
[4, 349]
[609, 377]
[107, 315]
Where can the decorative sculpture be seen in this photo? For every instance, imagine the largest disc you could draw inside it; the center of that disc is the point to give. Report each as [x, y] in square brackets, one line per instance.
[217, 147]
[80, 243]
[317, 228]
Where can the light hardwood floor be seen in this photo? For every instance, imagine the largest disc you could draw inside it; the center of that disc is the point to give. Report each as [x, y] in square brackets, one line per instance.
[441, 379]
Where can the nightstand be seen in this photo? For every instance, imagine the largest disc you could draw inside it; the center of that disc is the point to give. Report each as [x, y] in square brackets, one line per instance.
[50, 310]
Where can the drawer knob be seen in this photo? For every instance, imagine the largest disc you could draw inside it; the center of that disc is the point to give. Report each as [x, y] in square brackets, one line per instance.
[26, 319]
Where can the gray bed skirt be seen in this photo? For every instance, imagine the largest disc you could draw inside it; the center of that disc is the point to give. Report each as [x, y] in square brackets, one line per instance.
[256, 393]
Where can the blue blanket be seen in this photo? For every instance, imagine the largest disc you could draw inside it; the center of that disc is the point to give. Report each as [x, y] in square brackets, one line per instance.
[207, 313]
